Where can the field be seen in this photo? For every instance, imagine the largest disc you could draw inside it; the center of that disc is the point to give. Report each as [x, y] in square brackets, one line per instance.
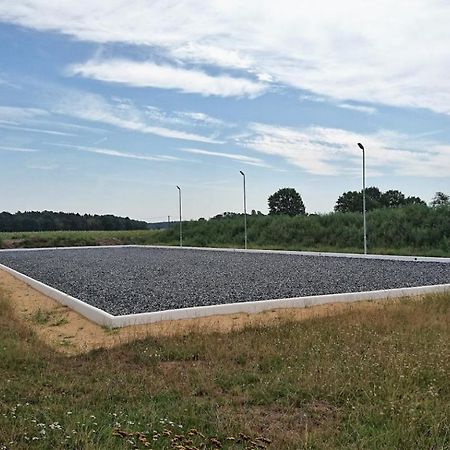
[77, 238]
[412, 230]
[369, 377]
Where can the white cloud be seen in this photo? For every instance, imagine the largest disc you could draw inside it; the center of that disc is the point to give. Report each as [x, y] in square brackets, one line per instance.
[120, 154]
[42, 166]
[331, 151]
[149, 74]
[358, 108]
[318, 99]
[35, 130]
[13, 113]
[393, 53]
[18, 149]
[121, 114]
[199, 117]
[234, 156]
[209, 54]
[73, 125]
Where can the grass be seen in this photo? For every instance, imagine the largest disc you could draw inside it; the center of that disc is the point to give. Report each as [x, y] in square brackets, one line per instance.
[76, 238]
[373, 378]
[41, 317]
[414, 230]
[46, 317]
[155, 237]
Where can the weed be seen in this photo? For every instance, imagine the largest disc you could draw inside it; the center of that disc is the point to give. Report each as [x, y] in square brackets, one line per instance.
[59, 321]
[41, 317]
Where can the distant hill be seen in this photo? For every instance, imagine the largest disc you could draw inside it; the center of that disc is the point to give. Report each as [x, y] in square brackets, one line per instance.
[56, 221]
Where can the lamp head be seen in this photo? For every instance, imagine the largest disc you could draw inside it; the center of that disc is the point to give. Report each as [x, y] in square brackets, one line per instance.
[360, 146]
[178, 187]
[242, 173]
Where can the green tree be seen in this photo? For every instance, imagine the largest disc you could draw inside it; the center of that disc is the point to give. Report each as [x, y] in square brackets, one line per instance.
[286, 201]
[440, 199]
[392, 198]
[351, 201]
[414, 201]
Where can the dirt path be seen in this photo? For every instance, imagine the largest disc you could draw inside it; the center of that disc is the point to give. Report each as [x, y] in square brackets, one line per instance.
[69, 332]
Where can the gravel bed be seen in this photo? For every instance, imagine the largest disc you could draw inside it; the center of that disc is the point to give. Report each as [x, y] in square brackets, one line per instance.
[135, 280]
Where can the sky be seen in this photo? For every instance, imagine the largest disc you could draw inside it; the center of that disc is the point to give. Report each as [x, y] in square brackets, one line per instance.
[107, 105]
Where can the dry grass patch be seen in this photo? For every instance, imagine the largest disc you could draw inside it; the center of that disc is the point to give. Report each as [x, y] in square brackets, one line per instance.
[371, 376]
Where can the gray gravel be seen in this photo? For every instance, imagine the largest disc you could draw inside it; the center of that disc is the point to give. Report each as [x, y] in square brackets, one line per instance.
[136, 280]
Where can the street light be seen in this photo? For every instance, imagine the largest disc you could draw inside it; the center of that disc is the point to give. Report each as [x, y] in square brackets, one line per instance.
[245, 210]
[364, 194]
[181, 226]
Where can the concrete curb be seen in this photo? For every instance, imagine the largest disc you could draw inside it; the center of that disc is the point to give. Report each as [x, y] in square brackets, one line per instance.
[103, 318]
[241, 250]
[91, 312]
[268, 305]
[305, 253]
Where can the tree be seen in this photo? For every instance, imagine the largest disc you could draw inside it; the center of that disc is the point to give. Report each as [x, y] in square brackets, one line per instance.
[414, 201]
[351, 201]
[392, 198]
[286, 201]
[440, 199]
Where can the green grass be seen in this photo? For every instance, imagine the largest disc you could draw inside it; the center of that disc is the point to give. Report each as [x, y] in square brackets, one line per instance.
[41, 317]
[413, 230]
[370, 378]
[76, 238]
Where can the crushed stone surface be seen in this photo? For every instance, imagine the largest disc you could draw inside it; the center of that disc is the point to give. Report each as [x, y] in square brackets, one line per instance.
[131, 280]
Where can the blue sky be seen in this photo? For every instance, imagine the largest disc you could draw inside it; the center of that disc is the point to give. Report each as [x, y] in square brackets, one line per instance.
[106, 106]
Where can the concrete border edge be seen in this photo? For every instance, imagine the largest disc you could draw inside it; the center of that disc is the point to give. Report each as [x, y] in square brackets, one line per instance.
[90, 312]
[268, 305]
[437, 259]
[105, 319]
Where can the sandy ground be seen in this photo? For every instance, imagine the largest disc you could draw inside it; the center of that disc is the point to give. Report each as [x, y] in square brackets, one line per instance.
[68, 332]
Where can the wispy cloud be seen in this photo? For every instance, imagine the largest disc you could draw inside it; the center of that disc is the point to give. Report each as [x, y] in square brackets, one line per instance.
[119, 153]
[149, 74]
[75, 126]
[369, 52]
[355, 107]
[202, 118]
[14, 113]
[124, 115]
[358, 108]
[210, 54]
[35, 130]
[18, 149]
[331, 151]
[234, 156]
[42, 166]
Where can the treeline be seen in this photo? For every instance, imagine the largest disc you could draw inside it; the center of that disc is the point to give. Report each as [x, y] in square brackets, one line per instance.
[408, 229]
[352, 201]
[60, 221]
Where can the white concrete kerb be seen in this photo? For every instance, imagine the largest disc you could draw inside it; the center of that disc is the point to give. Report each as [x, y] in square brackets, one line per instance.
[103, 318]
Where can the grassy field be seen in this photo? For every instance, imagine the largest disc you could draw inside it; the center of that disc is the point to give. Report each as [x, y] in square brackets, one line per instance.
[372, 378]
[414, 230]
[77, 238]
[163, 237]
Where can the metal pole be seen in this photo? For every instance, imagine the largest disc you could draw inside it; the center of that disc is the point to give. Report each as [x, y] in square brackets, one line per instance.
[245, 211]
[364, 194]
[181, 223]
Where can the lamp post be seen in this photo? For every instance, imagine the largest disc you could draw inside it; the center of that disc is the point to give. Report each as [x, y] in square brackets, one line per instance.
[245, 210]
[181, 223]
[364, 194]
